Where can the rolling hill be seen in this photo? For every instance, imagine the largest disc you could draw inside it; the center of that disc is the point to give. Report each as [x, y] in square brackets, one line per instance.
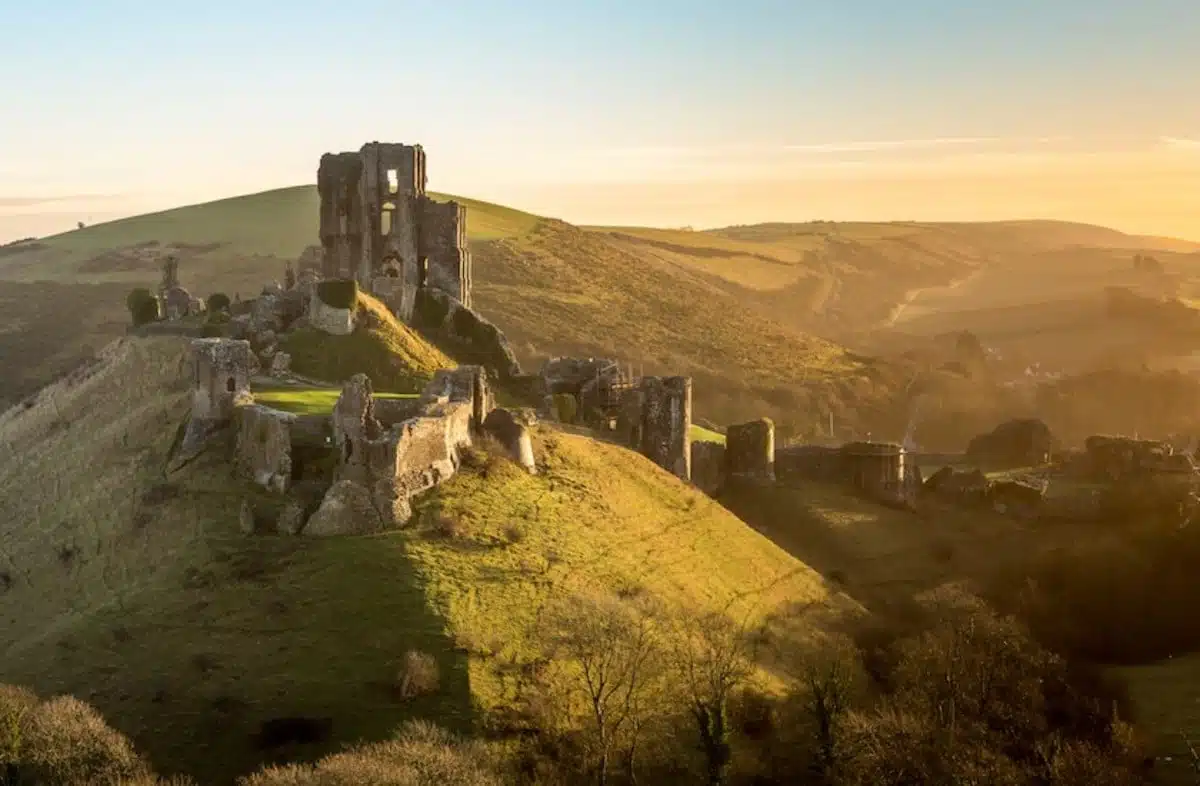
[761, 316]
[136, 592]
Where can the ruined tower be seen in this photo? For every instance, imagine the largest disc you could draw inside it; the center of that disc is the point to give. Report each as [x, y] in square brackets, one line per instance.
[221, 371]
[380, 228]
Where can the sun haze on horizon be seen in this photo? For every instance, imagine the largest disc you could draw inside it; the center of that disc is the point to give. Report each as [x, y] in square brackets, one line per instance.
[666, 114]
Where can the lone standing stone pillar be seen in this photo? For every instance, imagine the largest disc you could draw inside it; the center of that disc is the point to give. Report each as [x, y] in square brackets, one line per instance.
[750, 450]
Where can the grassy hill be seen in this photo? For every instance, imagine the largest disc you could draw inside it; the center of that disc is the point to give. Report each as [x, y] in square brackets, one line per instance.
[759, 315]
[393, 355]
[137, 593]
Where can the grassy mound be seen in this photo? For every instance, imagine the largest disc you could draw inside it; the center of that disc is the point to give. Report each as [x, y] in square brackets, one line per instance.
[499, 543]
[137, 593]
[393, 355]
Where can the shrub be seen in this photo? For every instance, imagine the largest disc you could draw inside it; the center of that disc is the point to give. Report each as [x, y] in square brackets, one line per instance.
[419, 675]
[514, 533]
[143, 306]
[419, 754]
[566, 407]
[218, 301]
[448, 527]
[63, 741]
[339, 293]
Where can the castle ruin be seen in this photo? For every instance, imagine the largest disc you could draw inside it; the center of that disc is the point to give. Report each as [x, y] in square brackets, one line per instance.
[379, 228]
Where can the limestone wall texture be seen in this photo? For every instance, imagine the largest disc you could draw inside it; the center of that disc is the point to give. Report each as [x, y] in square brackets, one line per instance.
[666, 423]
[221, 371]
[376, 224]
[708, 466]
[263, 451]
[750, 450]
[443, 245]
[385, 459]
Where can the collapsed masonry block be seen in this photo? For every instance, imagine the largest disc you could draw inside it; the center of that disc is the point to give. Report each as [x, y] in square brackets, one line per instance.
[330, 319]
[263, 451]
[750, 450]
[467, 384]
[513, 435]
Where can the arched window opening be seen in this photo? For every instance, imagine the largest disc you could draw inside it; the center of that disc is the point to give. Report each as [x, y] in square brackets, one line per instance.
[230, 385]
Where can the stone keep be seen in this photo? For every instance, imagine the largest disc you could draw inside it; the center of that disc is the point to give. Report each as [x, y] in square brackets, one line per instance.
[666, 422]
[378, 227]
[750, 450]
[221, 371]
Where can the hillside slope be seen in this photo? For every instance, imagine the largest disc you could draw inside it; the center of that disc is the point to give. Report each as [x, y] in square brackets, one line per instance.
[137, 592]
[740, 308]
[393, 355]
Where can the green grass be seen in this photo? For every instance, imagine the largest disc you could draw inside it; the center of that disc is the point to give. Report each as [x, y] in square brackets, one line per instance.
[596, 516]
[393, 355]
[701, 434]
[186, 634]
[279, 223]
[310, 401]
[756, 314]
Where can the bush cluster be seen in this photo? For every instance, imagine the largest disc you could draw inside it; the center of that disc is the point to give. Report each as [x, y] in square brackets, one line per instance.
[339, 293]
[142, 305]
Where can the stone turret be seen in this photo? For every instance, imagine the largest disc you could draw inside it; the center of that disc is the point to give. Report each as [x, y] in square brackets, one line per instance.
[221, 371]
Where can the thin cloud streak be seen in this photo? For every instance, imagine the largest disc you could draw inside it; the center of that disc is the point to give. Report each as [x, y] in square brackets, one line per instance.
[1181, 143]
[877, 146]
[30, 201]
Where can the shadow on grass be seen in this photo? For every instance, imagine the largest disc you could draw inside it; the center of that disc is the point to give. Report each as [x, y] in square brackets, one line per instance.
[278, 627]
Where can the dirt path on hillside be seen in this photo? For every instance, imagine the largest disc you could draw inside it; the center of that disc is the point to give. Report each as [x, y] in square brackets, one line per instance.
[911, 295]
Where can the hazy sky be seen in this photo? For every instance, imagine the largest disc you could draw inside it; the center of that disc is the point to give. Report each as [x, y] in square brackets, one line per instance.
[664, 112]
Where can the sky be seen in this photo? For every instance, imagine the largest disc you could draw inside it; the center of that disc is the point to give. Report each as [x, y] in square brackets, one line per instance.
[648, 112]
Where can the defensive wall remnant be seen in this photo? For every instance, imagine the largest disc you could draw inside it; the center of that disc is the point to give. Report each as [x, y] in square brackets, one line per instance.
[750, 451]
[382, 451]
[378, 226]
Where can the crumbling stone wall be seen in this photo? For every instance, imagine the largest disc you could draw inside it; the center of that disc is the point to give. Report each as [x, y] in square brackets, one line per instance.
[798, 463]
[387, 465]
[378, 227]
[263, 450]
[875, 466]
[750, 450]
[390, 411]
[221, 371]
[664, 433]
[443, 244]
[708, 466]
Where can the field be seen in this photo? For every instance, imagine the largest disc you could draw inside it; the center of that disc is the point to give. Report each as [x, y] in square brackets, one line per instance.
[150, 604]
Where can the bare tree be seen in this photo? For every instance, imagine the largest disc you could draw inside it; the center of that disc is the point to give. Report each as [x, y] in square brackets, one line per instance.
[713, 656]
[608, 649]
[831, 677]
